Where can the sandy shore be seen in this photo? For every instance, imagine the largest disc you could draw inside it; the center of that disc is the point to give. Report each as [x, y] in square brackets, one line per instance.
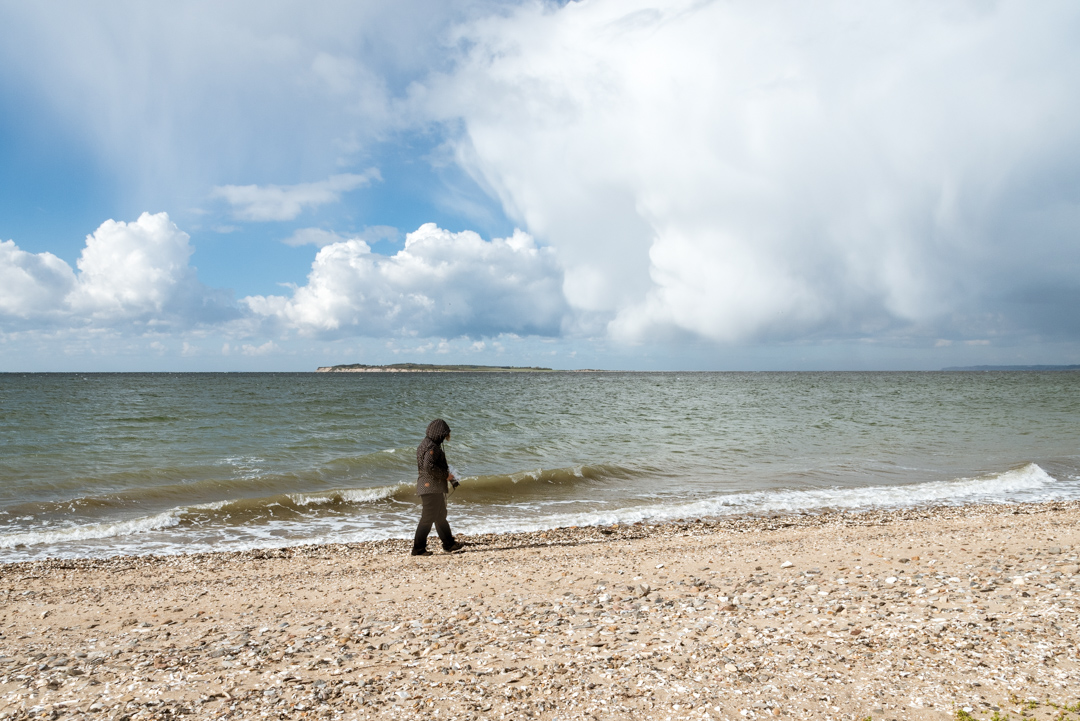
[902, 615]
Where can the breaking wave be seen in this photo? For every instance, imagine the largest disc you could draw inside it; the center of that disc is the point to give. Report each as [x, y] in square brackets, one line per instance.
[502, 503]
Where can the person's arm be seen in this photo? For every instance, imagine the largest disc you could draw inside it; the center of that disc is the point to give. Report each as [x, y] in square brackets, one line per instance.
[439, 464]
[451, 477]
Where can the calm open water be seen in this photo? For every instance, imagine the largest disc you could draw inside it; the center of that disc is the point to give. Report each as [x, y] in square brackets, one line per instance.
[106, 464]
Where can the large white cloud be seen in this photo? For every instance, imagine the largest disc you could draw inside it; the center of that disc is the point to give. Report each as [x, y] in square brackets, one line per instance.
[32, 285]
[731, 171]
[136, 272]
[753, 170]
[441, 284]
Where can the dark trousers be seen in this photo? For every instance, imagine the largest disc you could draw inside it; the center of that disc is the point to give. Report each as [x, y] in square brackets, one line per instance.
[434, 512]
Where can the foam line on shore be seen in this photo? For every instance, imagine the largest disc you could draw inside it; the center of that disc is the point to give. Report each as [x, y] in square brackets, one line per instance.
[1029, 482]
[92, 531]
[992, 488]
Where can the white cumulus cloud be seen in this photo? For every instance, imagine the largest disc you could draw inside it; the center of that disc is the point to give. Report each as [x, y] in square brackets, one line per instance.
[133, 268]
[32, 285]
[441, 284]
[285, 202]
[744, 170]
[138, 271]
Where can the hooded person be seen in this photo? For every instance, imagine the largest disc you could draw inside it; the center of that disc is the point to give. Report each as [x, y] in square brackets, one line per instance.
[433, 474]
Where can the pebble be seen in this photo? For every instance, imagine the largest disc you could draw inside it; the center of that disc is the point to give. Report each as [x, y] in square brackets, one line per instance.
[550, 625]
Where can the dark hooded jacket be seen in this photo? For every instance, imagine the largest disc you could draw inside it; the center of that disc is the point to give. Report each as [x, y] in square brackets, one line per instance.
[432, 469]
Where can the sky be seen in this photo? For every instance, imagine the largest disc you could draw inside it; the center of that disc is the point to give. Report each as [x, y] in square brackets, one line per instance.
[621, 184]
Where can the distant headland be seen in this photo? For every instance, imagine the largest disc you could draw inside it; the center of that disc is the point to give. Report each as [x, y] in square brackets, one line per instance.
[428, 368]
[1013, 368]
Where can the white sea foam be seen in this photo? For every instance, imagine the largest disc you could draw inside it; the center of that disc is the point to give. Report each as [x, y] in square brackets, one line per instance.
[210, 506]
[369, 495]
[247, 468]
[527, 475]
[73, 534]
[91, 531]
[349, 495]
[1019, 484]
[158, 533]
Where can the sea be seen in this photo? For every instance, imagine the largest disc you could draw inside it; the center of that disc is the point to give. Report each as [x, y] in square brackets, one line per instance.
[98, 465]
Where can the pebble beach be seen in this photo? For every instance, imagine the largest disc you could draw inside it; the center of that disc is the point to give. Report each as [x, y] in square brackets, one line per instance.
[934, 613]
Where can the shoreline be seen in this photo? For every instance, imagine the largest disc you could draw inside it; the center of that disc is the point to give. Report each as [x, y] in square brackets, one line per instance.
[907, 614]
[578, 535]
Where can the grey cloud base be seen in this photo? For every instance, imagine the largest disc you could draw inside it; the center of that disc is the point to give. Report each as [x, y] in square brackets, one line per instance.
[752, 172]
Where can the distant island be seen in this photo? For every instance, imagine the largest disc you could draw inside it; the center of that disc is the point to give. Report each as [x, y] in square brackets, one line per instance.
[1013, 368]
[428, 368]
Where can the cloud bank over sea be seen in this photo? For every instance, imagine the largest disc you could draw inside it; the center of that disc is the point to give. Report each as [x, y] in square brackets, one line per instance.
[440, 282]
[730, 183]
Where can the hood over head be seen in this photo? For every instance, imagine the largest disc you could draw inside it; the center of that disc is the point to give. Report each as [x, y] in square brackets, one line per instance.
[437, 430]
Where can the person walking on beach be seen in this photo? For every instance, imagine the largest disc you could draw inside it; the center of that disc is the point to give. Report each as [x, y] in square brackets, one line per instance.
[433, 473]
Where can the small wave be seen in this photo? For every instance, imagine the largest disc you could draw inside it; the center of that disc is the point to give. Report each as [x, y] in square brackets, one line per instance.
[91, 531]
[281, 506]
[501, 504]
[351, 495]
[234, 478]
[540, 480]
[1021, 483]
[230, 511]
[242, 510]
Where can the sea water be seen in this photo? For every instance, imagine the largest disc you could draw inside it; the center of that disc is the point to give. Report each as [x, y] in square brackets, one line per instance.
[107, 464]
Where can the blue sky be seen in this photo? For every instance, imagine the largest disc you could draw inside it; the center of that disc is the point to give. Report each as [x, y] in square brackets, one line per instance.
[640, 185]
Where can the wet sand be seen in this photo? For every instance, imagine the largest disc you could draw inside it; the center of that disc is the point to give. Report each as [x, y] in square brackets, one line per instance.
[919, 614]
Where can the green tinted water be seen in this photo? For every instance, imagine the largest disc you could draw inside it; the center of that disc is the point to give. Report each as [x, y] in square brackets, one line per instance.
[134, 463]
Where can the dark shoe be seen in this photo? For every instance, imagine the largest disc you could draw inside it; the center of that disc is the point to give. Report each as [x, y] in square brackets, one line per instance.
[458, 545]
[421, 553]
